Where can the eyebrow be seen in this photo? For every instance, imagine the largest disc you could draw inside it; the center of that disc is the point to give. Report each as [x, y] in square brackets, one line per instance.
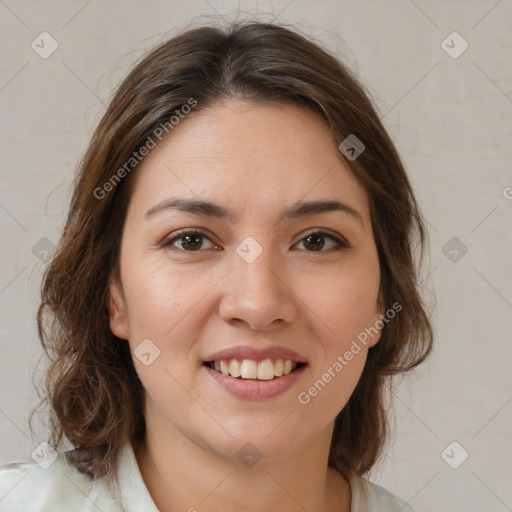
[209, 209]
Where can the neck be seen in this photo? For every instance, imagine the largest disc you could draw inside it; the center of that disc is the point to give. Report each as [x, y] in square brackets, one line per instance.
[181, 475]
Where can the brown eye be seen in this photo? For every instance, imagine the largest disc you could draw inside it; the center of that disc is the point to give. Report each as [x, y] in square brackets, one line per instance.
[188, 241]
[315, 242]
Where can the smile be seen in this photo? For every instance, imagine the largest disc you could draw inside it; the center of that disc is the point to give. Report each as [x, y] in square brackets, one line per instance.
[253, 388]
[267, 369]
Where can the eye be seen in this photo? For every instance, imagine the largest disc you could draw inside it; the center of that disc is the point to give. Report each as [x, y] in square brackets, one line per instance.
[188, 241]
[193, 241]
[315, 242]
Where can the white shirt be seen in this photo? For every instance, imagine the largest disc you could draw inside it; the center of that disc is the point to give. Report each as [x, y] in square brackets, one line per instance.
[29, 487]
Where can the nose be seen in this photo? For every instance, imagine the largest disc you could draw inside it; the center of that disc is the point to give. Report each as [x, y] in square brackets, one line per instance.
[258, 294]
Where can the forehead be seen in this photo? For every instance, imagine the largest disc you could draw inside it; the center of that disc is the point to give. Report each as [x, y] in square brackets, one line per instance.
[255, 157]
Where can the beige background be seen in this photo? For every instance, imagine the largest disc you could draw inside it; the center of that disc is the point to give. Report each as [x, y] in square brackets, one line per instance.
[450, 118]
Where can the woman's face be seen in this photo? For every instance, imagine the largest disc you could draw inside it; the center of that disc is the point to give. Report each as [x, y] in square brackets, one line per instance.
[248, 284]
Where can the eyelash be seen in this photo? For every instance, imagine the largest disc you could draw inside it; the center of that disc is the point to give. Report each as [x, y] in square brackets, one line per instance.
[341, 243]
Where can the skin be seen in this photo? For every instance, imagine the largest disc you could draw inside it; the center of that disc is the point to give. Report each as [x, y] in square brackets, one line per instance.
[256, 160]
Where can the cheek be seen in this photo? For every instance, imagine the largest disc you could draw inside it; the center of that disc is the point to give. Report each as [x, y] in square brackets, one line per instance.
[354, 309]
[159, 295]
[168, 305]
[328, 392]
[343, 301]
[345, 308]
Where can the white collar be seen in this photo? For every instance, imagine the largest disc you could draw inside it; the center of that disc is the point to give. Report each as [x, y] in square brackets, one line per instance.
[132, 491]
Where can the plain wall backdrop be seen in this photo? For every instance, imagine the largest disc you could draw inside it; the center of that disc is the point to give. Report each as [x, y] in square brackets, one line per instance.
[446, 99]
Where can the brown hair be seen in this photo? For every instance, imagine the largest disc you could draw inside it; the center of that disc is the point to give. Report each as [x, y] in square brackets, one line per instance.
[94, 393]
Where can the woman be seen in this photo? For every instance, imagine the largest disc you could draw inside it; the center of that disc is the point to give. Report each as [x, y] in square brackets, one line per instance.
[234, 286]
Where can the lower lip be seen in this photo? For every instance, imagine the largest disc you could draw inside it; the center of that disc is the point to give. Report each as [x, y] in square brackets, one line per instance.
[256, 389]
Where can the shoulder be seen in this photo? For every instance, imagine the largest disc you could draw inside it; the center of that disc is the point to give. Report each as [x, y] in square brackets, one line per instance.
[53, 485]
[370, 497]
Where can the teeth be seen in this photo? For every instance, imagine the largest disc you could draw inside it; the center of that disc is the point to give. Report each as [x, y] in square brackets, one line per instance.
[249, 369]
[266, 370]
[279, 368]
[235, 368]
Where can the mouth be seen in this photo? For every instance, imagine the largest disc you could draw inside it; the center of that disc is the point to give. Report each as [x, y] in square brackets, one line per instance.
[249, 369]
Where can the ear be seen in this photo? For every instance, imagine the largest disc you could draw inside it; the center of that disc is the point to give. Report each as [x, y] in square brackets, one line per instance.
[117, 310]
[376, 323]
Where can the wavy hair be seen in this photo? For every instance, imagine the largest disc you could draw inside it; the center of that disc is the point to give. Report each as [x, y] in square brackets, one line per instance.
[94, 395]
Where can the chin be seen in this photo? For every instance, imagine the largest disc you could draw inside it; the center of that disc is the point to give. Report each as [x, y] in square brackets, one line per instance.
[254, 440]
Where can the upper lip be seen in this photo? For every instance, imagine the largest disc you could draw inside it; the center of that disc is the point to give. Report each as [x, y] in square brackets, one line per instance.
[256, 354]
